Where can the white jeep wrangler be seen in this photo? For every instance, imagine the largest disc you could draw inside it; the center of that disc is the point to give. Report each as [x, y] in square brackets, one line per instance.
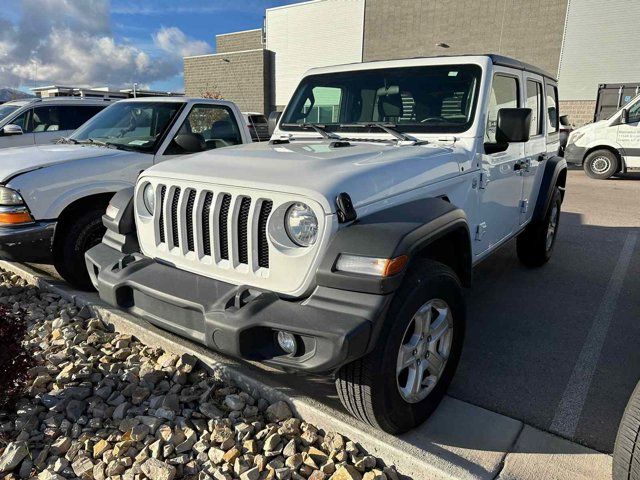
[52, 197]
[341, 246]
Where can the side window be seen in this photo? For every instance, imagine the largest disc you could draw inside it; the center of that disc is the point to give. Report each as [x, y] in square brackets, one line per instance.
[214, 125]
[46, 119]
[22, 120]
[504, 94]
[72, 116]
[634, 113]
[553, 115]
[534, 102]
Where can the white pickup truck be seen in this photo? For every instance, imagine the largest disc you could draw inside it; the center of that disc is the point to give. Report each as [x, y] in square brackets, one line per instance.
[341, 246]
[52, 197]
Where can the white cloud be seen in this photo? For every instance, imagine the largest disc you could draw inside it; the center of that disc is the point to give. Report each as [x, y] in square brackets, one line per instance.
[72, 43]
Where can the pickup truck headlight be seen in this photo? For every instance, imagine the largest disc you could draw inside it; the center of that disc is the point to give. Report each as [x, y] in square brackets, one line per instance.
[13, 211]
[10, 197]
[301, 225]
[149, 198]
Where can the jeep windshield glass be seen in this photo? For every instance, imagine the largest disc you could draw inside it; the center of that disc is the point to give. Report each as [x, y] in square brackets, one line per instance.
[6, 110]
[138, 126]
[424, 99]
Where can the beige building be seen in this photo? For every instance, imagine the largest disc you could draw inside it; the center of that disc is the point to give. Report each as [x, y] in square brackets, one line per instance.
[580, 41]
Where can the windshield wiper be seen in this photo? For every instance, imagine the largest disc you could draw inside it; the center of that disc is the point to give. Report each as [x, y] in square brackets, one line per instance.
[390, 128]
[320, 128]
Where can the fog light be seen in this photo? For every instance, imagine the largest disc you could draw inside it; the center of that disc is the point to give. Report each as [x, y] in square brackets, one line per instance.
[287, 342]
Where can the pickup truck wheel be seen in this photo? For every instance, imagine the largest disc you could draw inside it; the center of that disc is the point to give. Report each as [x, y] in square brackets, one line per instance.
[401, 382]
[626, 452]
[76, 238]
[601, 164]
[535, 244]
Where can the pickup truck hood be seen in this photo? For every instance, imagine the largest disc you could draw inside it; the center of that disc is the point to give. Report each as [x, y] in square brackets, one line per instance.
[368, 172]
[17, 160]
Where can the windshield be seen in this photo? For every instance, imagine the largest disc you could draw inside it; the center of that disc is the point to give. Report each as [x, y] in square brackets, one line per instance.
[426, 99]
[6, 110]
[139, 126]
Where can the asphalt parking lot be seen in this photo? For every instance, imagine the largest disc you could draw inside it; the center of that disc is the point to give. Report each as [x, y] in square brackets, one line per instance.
[555, 347]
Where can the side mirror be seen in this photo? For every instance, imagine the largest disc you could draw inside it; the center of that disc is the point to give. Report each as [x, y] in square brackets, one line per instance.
[272, 122]
[624, 116]
[12, 129]
[564, 121]
[190, 142]
[513, 125]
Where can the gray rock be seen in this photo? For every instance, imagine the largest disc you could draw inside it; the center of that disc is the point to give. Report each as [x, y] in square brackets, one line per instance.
[234, 402]
[158, 470]
[278, 412]
[13, 454]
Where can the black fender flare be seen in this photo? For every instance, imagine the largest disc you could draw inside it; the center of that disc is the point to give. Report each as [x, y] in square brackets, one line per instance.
[404, 229]
[555, 174]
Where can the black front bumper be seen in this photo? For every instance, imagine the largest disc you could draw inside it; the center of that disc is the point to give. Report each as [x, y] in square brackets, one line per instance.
[27, 243]
[332, 327]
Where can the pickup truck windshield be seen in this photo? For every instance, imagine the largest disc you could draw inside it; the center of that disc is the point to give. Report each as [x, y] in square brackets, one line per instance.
[424, 99]
[6, 110]
[138, 126]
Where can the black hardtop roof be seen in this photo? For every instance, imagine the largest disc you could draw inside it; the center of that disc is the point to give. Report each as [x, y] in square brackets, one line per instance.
[513, 63]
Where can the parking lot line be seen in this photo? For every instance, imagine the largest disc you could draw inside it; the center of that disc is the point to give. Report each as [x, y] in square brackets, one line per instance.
[567, 415]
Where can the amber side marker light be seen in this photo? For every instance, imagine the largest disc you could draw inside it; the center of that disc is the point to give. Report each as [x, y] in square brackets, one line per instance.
[14, 216]
[378, 267]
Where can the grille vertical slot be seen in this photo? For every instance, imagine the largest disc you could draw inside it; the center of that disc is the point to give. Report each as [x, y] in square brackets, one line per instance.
[243, 234]
[263, 246]
[174, 217]
[206, 223]
[163, 191]
[222, 226]
[191, 200]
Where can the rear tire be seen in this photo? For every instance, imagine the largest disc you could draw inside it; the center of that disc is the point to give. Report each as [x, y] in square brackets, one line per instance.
[72, 242]
[535, 244]
[626, 453]
[378, 388]
[601, 164]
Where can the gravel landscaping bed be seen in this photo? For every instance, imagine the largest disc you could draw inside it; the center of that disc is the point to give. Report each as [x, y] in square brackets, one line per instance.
[90, 403]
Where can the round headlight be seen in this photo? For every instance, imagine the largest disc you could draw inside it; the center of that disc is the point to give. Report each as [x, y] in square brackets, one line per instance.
[301, 225]
[149, 198]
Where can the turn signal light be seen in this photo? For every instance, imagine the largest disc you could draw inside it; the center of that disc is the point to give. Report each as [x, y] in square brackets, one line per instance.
[379, 267]
[15, 217]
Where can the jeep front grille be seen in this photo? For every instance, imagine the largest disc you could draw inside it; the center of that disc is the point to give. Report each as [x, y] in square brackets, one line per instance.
[213, 226]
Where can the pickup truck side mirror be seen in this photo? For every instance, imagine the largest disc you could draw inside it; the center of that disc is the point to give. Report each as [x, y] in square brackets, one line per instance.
[190, 142]
[273, 121]
[624, 116]
[513, 125]
[564, 121]
[12, 129]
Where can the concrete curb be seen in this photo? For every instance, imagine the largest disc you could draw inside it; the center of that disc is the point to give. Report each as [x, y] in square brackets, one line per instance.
[410, 461]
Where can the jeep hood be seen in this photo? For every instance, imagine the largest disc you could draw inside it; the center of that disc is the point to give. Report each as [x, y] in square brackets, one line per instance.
[368, 172]
[17, 160]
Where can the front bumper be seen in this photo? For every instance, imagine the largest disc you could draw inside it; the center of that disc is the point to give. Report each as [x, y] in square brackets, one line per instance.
[27, 243]
[332, 327]
[574, 154]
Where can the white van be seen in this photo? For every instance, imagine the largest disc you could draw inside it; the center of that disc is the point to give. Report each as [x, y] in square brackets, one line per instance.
[610, 146]
[39, 121]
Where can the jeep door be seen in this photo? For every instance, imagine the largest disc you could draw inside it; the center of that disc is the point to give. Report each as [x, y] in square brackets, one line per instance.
[536, 147]
[629, 136]
[501, 182]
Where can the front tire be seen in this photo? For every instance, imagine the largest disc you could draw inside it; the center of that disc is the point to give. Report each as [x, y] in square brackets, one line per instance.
[535, 244]
[626, 453]
[401, 382]
[72, 242]
[601, 164]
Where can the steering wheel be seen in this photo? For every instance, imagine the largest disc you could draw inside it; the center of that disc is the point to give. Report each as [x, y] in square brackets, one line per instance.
[133, 123]
[433, 119]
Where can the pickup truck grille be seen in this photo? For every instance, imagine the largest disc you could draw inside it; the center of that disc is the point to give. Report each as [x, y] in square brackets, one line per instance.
[214, 226]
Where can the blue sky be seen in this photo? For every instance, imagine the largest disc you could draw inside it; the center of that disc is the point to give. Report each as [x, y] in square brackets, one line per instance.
[116, 42]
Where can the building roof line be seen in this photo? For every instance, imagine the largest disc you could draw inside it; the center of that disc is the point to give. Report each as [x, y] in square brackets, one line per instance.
[293, 5]
[224, 53]
[239, 31]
